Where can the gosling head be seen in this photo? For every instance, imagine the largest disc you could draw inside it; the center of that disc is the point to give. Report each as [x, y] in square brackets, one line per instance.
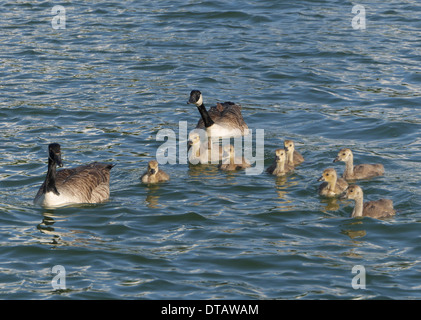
[280, 155]
[289, 146]
[329, 175]
[153, 167]
[194, 138]
[353, 192]
[54, 154]
[195, 98]
[343, 155]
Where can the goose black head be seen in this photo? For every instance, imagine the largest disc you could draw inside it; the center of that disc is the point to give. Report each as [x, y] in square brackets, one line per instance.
[195, 98]
[54, 153]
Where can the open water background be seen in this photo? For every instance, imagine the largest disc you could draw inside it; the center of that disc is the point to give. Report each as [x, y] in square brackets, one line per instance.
[122, 70]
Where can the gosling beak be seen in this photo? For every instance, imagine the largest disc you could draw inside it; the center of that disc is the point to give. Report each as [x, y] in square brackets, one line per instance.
[152, 171]
[277, 158]
[336, 159]
[321, 179]
[286, 149]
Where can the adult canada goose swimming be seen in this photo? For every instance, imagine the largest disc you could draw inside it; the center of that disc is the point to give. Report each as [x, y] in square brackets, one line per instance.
[223, 120]
[154, 174]
[361, 171]
[294, 158]
[84, 184]
[279, 167]
[333, 186]
[382, 208]
[202, 152]
[230, 162]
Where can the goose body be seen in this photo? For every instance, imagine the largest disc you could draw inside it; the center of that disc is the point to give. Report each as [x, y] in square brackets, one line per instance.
[154, 174]
[382, 208]
[230, 162]
[83, 184]
[361, 171]
[279, 167]
[223, 120]
[333, 186]
[294, 158]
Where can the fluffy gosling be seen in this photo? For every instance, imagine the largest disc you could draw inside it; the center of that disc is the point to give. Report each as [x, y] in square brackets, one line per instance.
[279, 167]
[382, 208]
[230, 162]
[154, 174]
[333, 186]
[361, 171]
[294, 158]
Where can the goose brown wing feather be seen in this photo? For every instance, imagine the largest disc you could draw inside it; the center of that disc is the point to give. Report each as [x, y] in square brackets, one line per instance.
[90, 183]
[227, 113]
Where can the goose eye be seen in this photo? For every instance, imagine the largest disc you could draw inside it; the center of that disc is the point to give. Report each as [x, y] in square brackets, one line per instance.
[327, 174]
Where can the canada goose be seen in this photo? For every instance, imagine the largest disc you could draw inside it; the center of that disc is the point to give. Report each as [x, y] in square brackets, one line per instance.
[333, 186]
[154, 174]
[230, 162]
[294, 158]
[279, 167]
[361, 171]
[202, 152]
[223, 120]
[376, 209]
[84, 184]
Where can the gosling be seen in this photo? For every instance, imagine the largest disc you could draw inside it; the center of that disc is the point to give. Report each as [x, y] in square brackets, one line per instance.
[361, 171]
[154, 174]
[230, 162]
[333, 186]
[200, 152]
[382, 208]
[279, 167]
[294, 158]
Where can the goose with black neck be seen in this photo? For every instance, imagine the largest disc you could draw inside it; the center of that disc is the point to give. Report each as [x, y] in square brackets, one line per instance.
[223, 120]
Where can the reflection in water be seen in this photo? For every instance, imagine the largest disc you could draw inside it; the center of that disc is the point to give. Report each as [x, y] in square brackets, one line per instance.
[152, 199]
[59, 235]
[46, 226]
[282, 184]
[203, 171]
[353, 234]
[330, 204]
[352, 231]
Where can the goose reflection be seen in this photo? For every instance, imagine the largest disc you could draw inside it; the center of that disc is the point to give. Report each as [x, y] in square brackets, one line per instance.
[46, 227]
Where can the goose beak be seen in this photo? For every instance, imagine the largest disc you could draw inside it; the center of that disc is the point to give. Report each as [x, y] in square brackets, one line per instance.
[277, 158]
[336, 159]
[286, 149]
[57, 159]
[321, 179]
[153, 171]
